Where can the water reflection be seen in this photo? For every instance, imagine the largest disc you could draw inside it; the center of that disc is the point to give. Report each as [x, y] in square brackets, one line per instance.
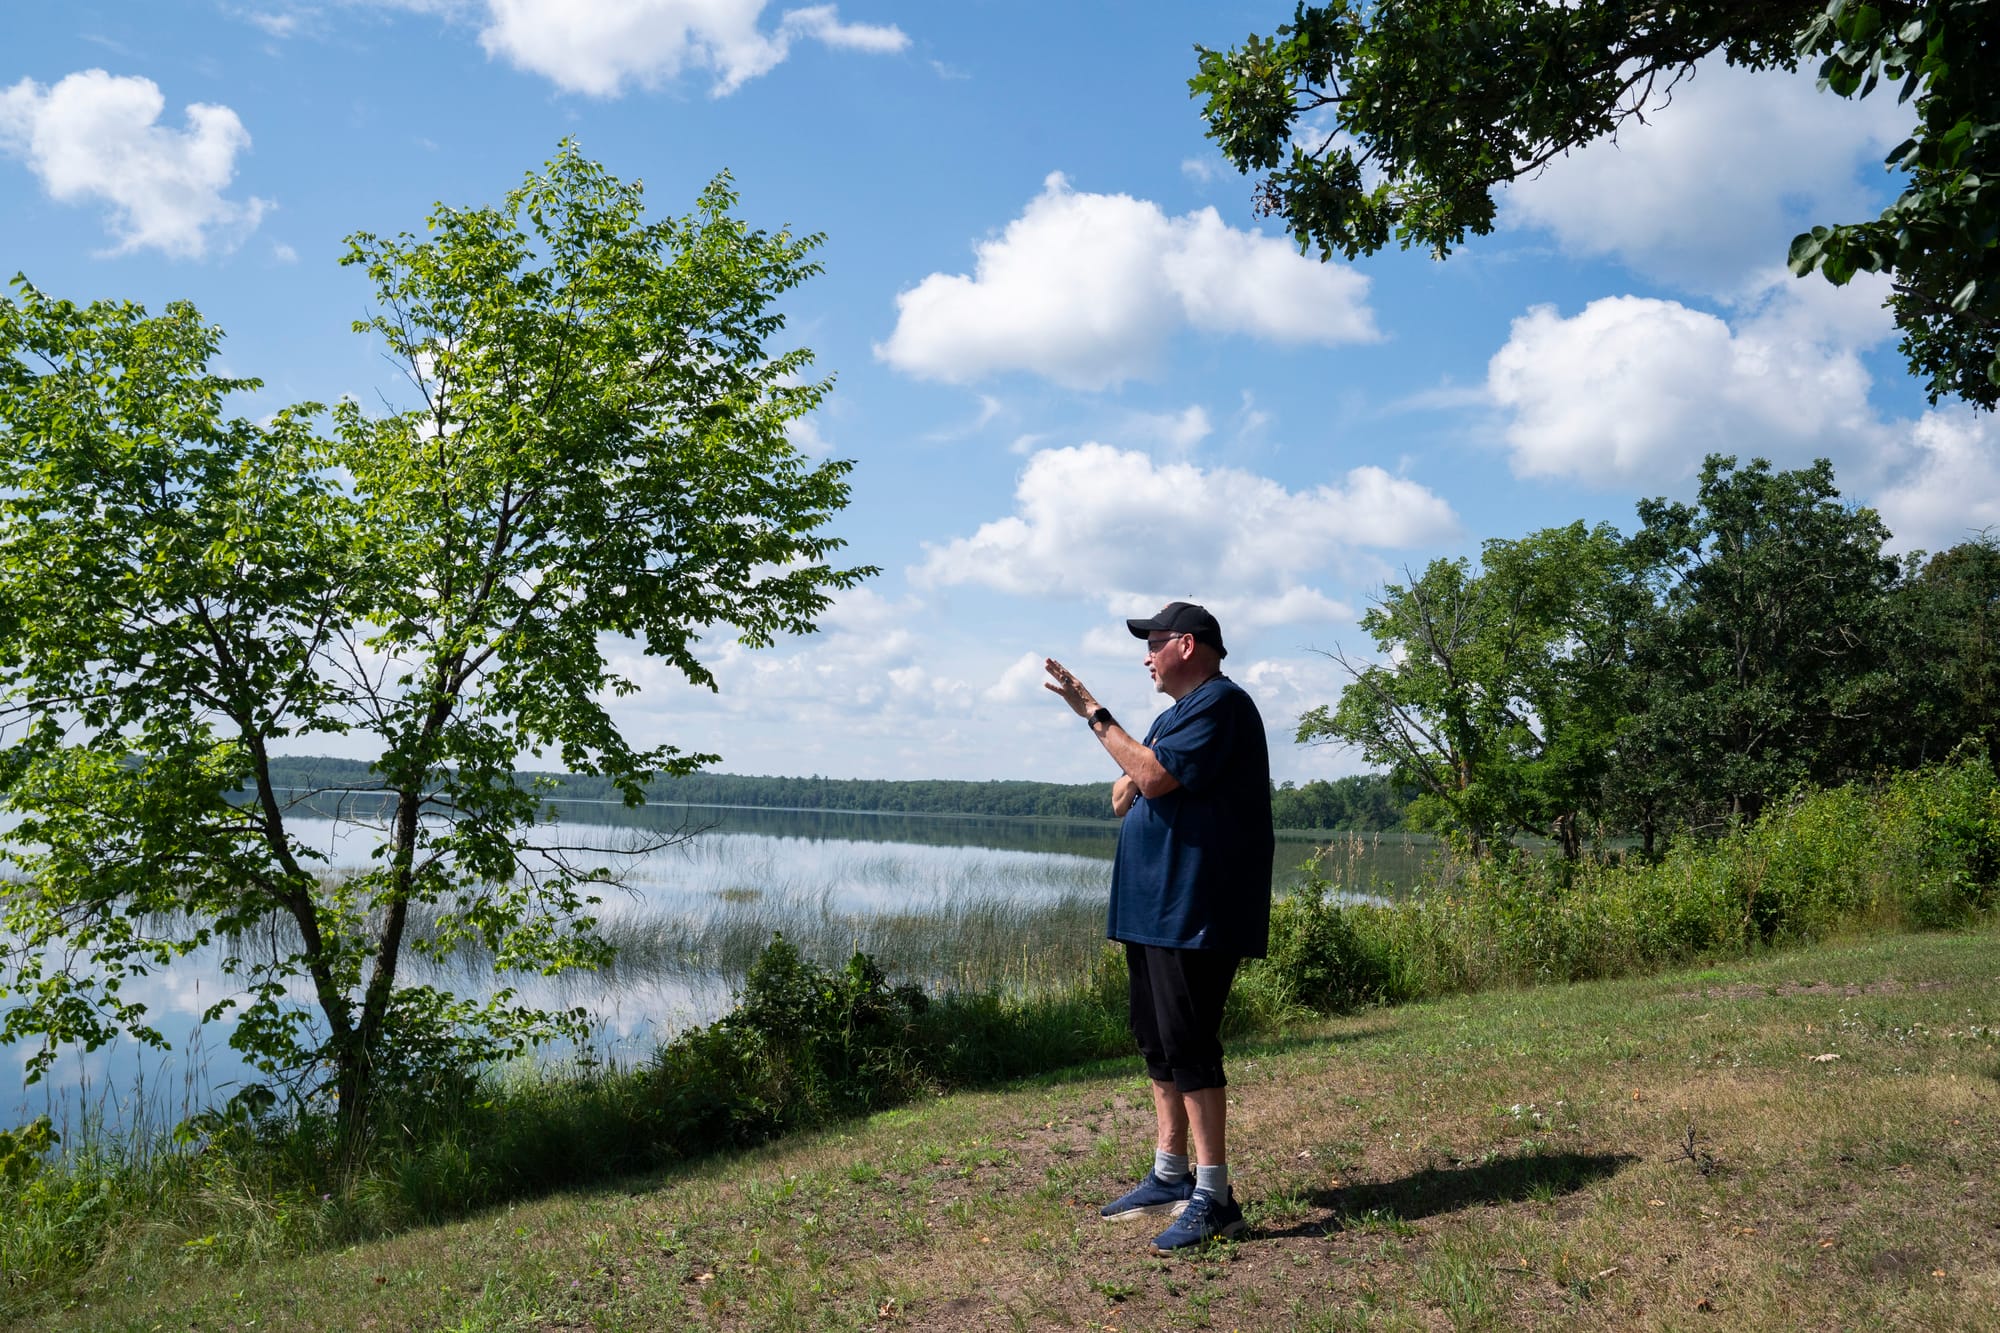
[947, 901]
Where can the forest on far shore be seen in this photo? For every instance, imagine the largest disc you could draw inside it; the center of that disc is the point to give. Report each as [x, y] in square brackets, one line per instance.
[1366, 803]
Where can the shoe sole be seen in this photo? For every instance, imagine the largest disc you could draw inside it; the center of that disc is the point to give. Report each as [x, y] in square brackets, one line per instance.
[1230, 1232]
[1174, 1209]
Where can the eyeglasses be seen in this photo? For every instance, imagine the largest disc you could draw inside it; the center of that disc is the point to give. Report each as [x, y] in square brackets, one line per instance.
[1154, 645]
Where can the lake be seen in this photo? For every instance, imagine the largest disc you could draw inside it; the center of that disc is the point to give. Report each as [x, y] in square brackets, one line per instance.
[965, 902]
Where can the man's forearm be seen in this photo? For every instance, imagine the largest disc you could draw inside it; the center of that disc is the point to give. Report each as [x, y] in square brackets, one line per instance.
[1140, 765]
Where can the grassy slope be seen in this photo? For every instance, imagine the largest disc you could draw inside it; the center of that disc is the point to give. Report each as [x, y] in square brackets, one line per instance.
[1506, 1160]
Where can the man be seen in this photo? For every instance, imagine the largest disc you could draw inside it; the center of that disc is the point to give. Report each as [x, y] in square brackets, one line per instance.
[1190, 899]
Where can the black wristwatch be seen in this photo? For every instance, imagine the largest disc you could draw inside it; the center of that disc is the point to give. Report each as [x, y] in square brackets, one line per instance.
[1097, 715]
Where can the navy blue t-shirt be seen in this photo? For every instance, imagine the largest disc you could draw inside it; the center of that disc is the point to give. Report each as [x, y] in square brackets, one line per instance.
[1193, 869]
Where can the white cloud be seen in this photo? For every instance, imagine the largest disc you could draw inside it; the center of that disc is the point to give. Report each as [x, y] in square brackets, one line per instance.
[822, 24]
[600, 46]
[989, 408]
[1202, 170]
[1636, 391]
[1285, 688]
[1019, 682]
[279, 25]
[1720, 178]
[1178, 432]
[94, 135]
[1950, 490]
[1115, 526]
[865, 667]
[1084, 289]
[805, 436]
[283, 253]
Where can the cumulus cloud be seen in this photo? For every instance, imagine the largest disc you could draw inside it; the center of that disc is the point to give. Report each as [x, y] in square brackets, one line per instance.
[600, 46]
[1097, 523]
[1202, 170]
[1949, 489]
[1178, 432]
[1021, 681]
[1084, 289]
[1635, 390]
[1721, 177]
[865, 668]
[96, 136]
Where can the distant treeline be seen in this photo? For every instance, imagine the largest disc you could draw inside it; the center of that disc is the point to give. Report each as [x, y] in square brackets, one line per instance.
[1367, 803]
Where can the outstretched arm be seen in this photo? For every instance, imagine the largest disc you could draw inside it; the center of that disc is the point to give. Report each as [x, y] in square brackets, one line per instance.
[1147, 775]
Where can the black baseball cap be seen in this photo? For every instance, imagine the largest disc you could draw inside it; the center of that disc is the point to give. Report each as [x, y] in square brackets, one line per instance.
[1181, 618]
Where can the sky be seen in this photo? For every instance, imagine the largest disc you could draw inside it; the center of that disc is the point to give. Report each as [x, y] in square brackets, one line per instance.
[1077, 374]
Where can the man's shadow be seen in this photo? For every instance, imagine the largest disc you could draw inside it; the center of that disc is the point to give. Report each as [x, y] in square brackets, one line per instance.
[1435, 1190]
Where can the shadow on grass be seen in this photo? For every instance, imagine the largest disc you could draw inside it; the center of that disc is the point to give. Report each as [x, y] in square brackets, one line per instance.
[1434, 1190]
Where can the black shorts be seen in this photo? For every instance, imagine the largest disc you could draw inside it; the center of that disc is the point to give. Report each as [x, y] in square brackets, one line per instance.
[1177, 997]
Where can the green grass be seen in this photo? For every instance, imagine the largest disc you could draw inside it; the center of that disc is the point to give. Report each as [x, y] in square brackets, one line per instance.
[1506, 1160]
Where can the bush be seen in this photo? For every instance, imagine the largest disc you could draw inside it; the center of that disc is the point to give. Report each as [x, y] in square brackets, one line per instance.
[1949, 860]
[803, 1047]
[1923, 850]
[1318, 958]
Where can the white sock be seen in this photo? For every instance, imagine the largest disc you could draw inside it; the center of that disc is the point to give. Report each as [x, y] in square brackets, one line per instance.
[1169, 1167]
[1213, 1181]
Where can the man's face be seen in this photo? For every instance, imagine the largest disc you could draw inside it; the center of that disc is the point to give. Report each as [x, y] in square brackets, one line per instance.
[1168, 659]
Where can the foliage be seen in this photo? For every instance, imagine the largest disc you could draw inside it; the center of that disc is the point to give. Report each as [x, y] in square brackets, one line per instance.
[1501, 690]
[1579, 683]
[1376, 122]
[1358, 803]
[1946, 653]
[804, 1046]
[1950, 873]
[1766, 664]
[599, 449]
[1317, 957]
[1922, 851]
[1941, 237]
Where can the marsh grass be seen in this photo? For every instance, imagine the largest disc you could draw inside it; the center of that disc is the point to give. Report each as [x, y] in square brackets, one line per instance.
[957, 942]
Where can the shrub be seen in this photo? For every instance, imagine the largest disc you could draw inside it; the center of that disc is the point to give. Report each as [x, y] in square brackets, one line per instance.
[1948, 857]
[1923, 850]
[1317, 957]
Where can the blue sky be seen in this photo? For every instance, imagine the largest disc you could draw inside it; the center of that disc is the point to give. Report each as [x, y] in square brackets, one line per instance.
[1077, 374]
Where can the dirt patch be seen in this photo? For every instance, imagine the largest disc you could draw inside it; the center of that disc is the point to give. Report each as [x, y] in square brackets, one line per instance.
[1750, 990]
[1901, 1264]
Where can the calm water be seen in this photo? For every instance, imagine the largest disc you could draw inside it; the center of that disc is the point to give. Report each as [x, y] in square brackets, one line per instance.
[947, 901]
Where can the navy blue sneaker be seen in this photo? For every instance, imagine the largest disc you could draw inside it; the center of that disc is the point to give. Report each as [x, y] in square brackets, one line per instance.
[1205, 1218]
[1152, 1197]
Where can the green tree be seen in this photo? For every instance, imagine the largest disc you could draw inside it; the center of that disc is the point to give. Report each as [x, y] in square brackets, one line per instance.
[1766, 663]
[1374, 121]
[598, 448]
[1946, 655]
[1501, 693]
